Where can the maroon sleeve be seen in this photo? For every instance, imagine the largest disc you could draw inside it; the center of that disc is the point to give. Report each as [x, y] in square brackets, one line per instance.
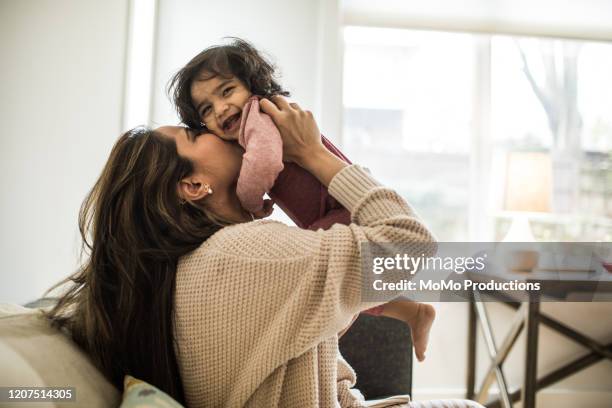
[305, 200]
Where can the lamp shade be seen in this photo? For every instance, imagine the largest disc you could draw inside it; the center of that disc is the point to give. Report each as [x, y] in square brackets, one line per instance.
[528, 182]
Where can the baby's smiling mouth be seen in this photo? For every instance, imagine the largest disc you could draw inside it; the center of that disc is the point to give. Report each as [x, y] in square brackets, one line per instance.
[231, 122]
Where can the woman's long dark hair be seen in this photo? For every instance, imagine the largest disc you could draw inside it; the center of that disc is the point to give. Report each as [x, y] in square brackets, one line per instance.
[119, 306]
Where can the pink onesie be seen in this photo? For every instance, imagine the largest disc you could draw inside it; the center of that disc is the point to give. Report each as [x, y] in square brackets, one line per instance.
[297, 192]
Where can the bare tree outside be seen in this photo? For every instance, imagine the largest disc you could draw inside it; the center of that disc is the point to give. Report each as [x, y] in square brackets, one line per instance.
[557, 91]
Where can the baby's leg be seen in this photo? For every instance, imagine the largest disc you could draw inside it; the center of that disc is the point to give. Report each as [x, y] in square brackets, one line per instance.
[419, 316]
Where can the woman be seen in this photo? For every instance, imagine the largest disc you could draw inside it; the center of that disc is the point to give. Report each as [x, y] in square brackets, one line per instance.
[184, 291]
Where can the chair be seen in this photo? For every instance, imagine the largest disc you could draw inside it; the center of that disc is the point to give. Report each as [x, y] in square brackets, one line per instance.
[380, 351]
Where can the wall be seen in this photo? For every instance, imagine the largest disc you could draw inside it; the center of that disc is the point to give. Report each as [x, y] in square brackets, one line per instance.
[301, 37]
[63, 100]
[62, 84]
[288, 31]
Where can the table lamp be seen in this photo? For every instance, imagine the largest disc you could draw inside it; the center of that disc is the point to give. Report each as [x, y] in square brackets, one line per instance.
[527, 190]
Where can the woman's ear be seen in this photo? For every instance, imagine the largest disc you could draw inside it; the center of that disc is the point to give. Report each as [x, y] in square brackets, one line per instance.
[193, 189]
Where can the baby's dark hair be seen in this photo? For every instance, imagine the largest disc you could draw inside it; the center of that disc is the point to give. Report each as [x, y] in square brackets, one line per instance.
[238, 58]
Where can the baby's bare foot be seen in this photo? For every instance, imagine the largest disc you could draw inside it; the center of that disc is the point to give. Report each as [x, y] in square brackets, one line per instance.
[420, 327]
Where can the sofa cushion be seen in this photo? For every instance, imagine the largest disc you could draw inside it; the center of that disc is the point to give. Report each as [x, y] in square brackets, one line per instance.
[34, 354]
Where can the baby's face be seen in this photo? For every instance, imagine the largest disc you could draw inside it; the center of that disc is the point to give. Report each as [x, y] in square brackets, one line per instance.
[219, 102]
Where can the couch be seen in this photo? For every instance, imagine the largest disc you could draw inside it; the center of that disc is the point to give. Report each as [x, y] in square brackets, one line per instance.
[34, 354]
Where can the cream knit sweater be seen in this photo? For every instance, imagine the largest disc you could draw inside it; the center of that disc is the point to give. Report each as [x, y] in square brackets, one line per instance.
[258, 305]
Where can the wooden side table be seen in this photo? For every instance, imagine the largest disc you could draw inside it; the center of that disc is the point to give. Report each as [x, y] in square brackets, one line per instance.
[529, 317]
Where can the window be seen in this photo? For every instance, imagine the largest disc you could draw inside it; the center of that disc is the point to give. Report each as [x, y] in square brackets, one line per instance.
[448, 118]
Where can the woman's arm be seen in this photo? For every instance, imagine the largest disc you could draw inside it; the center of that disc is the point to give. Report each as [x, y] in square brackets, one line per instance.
[378, 214]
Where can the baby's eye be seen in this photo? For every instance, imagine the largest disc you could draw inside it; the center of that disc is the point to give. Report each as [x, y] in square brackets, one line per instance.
[205, 111]
[228, 90]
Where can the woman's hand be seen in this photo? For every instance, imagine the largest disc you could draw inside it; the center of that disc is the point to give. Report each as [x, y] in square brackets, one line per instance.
[302, 139]
[298, 129]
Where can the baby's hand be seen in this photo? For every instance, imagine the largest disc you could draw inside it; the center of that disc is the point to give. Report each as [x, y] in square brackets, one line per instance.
[266, 210]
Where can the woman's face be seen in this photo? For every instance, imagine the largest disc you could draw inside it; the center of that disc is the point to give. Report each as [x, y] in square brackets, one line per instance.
[217, 163]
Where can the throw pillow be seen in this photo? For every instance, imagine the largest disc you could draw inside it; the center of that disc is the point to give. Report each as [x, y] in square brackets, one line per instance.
[139, 394]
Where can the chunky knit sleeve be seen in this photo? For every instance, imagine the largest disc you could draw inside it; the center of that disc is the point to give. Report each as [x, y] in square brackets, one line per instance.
[378, 214]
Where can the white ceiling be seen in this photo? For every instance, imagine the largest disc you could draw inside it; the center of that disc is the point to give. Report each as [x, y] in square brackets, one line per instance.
[586, 19]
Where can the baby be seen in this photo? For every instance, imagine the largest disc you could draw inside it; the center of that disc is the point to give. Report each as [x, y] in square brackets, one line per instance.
[219, 90]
